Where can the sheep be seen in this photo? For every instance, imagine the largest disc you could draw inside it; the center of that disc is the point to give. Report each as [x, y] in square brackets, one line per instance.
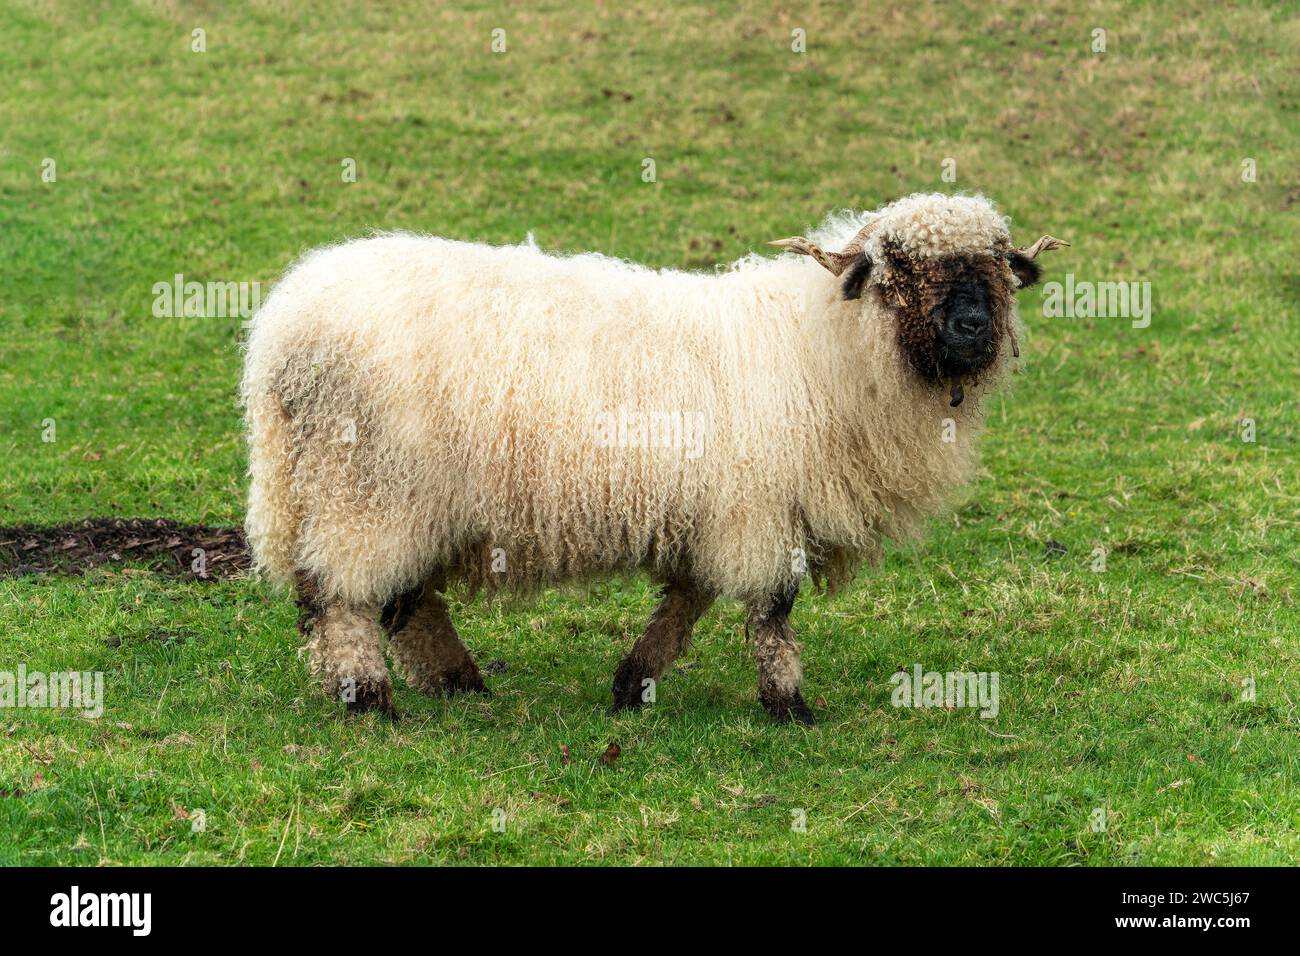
[422, 411]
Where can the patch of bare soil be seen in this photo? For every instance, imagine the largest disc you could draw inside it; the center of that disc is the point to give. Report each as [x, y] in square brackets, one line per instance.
[192, 552]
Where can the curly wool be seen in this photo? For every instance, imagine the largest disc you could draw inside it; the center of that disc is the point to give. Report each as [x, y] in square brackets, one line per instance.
[924, 225]
[419, 406]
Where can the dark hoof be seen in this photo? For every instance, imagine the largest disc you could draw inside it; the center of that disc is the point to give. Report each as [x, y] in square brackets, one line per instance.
[625, 700]
[371, 695]
[628, 689]
[464, 682]
[790, 709]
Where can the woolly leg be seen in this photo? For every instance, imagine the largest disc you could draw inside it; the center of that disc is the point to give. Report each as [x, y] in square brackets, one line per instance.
[772, 642]
[426, 649]
[345, 645]
[666, 638]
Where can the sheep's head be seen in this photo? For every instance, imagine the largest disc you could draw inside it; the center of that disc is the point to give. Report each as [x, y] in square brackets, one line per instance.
[944, 268]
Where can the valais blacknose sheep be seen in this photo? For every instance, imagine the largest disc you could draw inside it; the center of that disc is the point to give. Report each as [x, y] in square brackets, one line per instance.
[422, 411]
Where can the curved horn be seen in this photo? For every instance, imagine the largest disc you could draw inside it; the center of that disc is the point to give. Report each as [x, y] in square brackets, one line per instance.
[833, 262]
[1042, 245]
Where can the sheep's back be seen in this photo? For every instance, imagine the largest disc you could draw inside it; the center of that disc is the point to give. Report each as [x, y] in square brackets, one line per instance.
[482, 396]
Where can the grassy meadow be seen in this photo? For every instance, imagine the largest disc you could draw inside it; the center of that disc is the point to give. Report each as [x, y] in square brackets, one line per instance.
[1161, 689]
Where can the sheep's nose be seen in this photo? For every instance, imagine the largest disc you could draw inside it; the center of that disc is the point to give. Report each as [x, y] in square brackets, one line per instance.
[968, 321]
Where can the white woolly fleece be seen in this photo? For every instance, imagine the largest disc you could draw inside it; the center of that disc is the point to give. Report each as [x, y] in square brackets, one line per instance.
[416, 405]
[923, 225]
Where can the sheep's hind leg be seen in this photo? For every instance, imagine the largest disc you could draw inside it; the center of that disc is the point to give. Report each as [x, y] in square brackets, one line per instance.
[426, 649]
[772, 642]
[346, 648]
[666, 638]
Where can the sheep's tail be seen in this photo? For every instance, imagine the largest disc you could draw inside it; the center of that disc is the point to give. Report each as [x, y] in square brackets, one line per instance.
[274, 515]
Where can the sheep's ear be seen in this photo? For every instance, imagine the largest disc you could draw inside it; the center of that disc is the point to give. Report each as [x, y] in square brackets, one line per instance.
[1022, 260]
[855, 276]
[1026, 269]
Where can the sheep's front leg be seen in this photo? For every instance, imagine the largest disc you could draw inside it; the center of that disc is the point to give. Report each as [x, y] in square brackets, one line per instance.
[666, 638]
[345, 644]
[772, 642]
[426, 649]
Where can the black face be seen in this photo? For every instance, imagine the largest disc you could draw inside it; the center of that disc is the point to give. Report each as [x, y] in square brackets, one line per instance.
[952, 313]
[965, 333]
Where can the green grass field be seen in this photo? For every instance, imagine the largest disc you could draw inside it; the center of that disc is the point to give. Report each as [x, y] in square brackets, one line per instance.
[1125, 690]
